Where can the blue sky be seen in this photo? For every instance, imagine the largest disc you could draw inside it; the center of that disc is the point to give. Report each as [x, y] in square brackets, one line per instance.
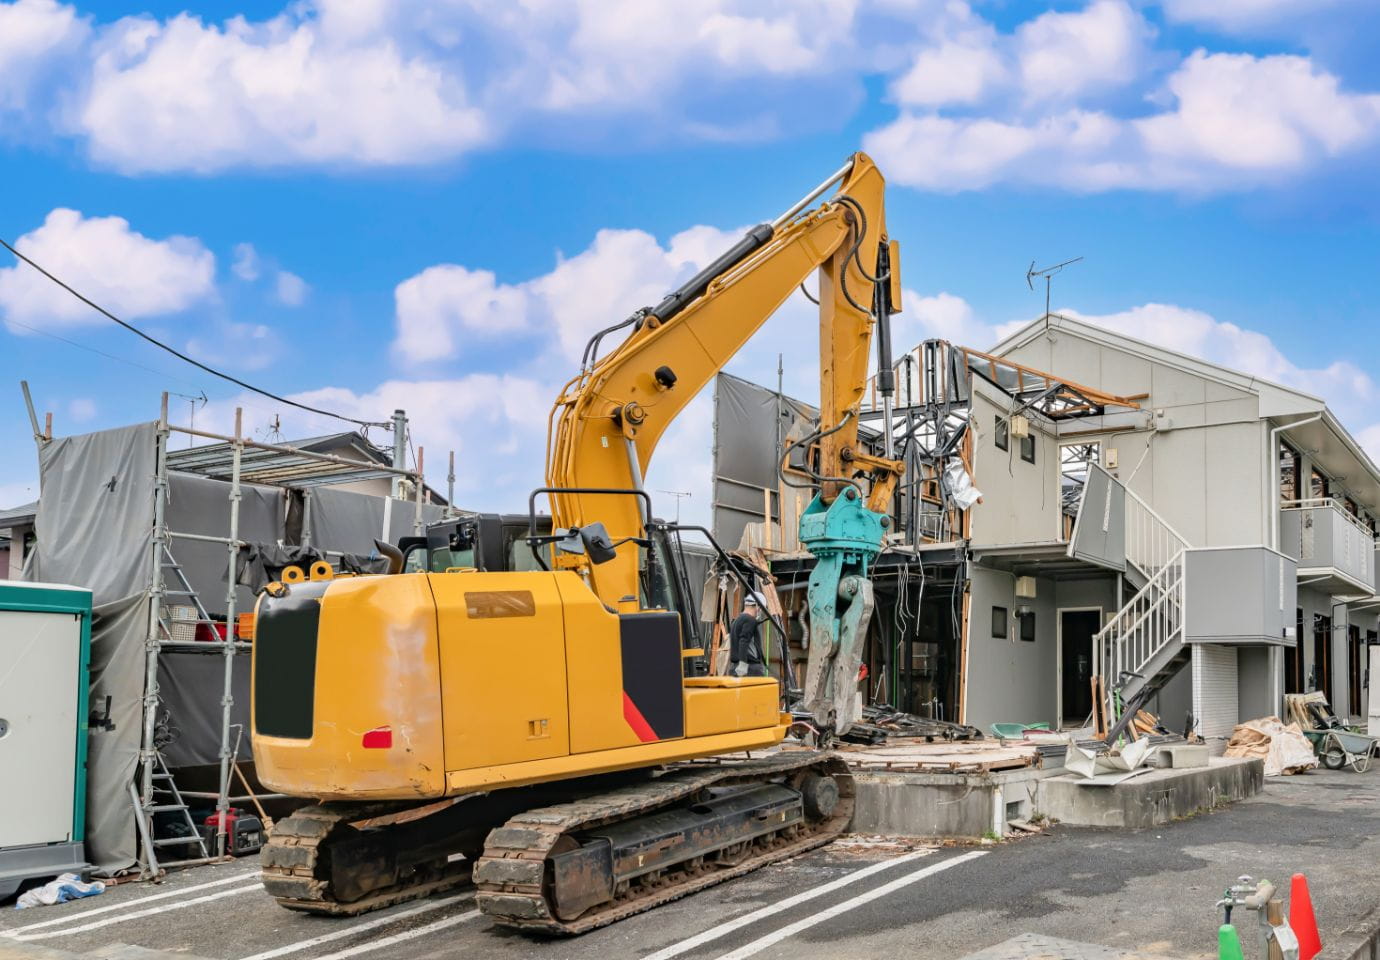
[430, 205]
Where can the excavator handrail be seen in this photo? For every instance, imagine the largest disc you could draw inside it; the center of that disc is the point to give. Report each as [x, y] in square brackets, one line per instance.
[534, 540]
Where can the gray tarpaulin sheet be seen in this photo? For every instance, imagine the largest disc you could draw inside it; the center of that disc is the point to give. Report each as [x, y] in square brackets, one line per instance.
[349, 522]
[201, 505]
[95, 518]
[747, 422]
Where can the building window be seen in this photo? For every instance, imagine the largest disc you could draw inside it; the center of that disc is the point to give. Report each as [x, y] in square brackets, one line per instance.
[1028, 627]
[1317, 485]
[1288, 473]
[1001, 434]
[999, 622]
[1028, 448]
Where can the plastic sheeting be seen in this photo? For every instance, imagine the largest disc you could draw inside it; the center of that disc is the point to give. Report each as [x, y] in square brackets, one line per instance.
[1284, 748]
[94, 526]
[94, 523]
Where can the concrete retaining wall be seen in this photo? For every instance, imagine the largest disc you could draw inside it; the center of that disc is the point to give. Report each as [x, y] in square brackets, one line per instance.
[944, 805]
[1151, 798]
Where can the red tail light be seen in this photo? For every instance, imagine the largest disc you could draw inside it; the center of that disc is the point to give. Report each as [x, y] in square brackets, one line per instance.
[379, 738]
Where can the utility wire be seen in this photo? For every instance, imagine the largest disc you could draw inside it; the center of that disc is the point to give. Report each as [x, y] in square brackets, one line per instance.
[182, 356]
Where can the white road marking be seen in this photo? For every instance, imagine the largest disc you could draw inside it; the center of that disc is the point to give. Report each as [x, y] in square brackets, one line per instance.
[790, 930]
[137, 914]
[723, 929]
[78, 916]
[401, 937]
[357, 928]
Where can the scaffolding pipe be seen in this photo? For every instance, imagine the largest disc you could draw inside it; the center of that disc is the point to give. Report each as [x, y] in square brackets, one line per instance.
[152, 643]
[306, 518]
[399, 450]
[450, 488]
[205, 538]
[417, 491]
[33, 415]
[227, 699]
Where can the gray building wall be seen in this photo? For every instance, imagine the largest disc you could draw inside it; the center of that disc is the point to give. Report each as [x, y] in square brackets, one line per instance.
[1020, 500]
[1010, 679]
[1203, 470]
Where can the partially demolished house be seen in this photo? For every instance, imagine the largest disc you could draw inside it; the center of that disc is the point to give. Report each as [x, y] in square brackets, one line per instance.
[1087, 518]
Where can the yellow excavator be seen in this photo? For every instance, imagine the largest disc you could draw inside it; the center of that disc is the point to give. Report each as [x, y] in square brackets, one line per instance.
[546, 729]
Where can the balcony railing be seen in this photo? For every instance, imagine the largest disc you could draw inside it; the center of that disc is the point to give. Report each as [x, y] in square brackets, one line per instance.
[1328, 541]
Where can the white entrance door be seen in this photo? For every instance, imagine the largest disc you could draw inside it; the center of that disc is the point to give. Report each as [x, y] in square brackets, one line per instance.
[38, 725]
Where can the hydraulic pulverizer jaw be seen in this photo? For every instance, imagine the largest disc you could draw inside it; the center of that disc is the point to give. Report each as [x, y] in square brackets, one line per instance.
[845, 537]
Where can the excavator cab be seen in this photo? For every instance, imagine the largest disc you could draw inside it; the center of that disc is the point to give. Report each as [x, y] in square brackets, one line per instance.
[479, 541]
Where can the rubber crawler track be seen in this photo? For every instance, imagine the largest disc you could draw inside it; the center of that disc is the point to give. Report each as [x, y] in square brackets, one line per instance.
[295, 874]
[511, 875]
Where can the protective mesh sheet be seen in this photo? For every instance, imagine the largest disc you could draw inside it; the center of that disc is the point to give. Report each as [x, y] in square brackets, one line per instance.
[95, 518]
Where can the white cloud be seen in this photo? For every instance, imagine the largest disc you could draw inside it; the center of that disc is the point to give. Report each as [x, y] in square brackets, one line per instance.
[188, 95]
[122, 270]
[246, 265]
[950, 73]
[1269, 115]
[1236, 122]
[437, 306]
[33, 35]
[290, 289]
[1064, 55]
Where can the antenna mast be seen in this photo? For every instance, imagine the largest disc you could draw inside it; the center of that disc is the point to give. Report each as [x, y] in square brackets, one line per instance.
[1048, 273]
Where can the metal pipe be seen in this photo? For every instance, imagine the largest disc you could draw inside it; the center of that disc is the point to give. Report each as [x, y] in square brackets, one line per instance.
[450, 487]
[635, 468]
[227, 698]
[157, 544]
[813, 195]
[399, 450]
[33, 415]
[205, 538]
[417, 488]
[1272, 458]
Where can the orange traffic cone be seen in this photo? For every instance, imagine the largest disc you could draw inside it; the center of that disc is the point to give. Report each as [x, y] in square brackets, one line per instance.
[1301, 919]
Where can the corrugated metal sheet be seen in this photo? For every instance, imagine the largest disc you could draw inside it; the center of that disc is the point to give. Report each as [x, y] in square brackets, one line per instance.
[1214, 693]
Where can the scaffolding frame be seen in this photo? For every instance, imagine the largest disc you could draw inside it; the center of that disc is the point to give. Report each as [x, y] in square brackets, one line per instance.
[155, 644]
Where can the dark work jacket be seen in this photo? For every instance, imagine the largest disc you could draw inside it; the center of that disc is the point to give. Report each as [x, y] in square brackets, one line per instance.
[745, 644]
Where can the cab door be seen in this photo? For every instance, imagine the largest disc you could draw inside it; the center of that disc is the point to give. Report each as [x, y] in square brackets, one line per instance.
[503, 674]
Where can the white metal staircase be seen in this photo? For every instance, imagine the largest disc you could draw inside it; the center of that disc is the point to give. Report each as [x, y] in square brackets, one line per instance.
[1143, 644]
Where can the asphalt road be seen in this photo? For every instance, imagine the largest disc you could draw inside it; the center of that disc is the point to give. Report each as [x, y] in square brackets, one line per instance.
[1153, 890]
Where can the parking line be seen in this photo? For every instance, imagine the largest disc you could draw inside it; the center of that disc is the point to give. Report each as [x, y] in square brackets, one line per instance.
[137, 914]
[723, 929]
[401, 937]
[80, 915]
[357, 928]
[838, 909]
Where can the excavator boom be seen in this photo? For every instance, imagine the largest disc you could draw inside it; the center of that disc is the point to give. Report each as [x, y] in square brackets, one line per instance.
[610, 417]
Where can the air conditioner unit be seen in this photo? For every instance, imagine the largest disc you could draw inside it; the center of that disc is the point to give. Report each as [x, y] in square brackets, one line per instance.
[1020, 426]
[1025, 588]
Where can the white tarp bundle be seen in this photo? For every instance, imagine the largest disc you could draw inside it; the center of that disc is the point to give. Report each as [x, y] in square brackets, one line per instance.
[1284, 748]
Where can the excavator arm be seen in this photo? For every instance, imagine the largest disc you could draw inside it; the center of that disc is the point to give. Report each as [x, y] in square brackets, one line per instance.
[608, 419]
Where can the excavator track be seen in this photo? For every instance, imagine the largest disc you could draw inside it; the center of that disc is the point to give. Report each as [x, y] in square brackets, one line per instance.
[515, 876]
[318, 860]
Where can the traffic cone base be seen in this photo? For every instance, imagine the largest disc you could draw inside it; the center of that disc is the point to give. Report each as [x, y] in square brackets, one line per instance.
[1301, 918]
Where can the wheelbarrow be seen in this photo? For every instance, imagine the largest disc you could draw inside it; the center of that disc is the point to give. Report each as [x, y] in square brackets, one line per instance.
[1340, 748]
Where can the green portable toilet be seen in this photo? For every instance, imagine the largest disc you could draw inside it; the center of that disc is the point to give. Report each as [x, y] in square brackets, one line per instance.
[45, 649]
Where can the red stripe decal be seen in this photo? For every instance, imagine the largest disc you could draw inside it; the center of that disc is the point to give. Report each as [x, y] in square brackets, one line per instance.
[639, 723]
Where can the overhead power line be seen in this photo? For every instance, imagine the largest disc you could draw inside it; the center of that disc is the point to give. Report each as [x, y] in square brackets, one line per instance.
[182, 356]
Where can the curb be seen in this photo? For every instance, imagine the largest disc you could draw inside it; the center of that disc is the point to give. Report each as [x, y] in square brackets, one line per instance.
[1360, 941]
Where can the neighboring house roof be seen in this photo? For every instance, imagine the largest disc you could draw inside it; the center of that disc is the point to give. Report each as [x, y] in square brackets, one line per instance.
[279, 466]
[18, 516]
[1277, 402]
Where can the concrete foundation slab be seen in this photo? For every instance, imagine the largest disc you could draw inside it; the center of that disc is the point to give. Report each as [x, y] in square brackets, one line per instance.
[969, 805]
[1152, 798]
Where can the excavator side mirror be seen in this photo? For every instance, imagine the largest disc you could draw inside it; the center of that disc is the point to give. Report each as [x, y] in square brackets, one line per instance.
[598, 544]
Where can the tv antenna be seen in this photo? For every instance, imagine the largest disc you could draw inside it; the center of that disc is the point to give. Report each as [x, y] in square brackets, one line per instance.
[679, 495]
[193, 401]
[1048, 273]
